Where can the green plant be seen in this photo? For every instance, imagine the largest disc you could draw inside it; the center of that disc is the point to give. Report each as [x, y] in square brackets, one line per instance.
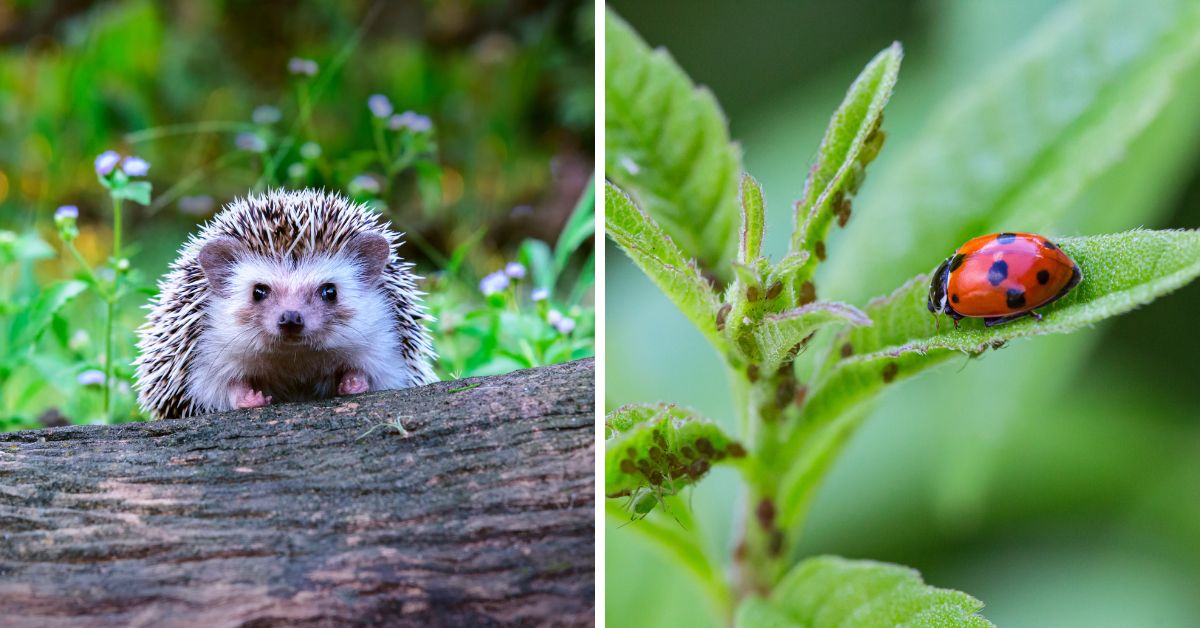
[534, 309]
[805, 370]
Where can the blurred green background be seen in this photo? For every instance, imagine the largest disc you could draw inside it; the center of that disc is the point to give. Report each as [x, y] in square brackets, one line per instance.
[508, 87]
[1057, 480]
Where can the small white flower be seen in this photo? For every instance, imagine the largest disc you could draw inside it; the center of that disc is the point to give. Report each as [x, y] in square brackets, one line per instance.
[303, 67]
[66, 212]
[250, 142]
[198, 205]
[493, 283]
[411, 120]
[565, 326]
[106, 162]
[135, 166]
[554, 317]
[310, 150]
[90, 377]
[630, 165]
[265, 114]
[79, 341]
[514, 270]
[539, 294]
[364, 183]
[297, 170]
[379, 105]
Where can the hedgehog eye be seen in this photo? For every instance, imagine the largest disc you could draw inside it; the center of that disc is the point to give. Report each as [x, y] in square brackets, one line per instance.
[261, 291]
[328, 292]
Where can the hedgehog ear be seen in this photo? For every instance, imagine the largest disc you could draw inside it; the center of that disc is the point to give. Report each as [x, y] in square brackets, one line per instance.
[217, 259]
[372, 251]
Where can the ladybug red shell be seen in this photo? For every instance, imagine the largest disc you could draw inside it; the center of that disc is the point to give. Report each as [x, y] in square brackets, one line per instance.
[1002, 277]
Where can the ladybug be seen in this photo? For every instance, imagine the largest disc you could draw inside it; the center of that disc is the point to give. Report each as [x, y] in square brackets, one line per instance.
[1002, 277]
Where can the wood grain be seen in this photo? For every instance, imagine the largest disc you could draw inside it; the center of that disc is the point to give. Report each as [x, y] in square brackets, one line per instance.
[288, 515]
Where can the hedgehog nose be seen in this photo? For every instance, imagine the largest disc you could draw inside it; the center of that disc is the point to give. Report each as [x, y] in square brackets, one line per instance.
[291, 322]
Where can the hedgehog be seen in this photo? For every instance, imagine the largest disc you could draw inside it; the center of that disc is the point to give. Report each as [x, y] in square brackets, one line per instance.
[283, 296]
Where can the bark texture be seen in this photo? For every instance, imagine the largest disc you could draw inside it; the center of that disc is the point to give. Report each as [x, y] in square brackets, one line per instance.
[483, 514]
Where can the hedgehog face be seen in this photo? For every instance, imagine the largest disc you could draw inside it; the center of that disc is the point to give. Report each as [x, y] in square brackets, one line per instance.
[284, 303]
[291, 302]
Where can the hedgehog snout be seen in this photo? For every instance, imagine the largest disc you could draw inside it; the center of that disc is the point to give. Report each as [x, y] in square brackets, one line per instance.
[291, 322]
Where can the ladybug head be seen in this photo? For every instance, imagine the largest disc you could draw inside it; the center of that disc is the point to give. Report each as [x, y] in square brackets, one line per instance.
[937, 288]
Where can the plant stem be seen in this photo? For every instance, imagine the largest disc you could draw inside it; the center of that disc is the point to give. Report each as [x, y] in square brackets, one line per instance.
[116, 229]
[763, 553]
[110, 307]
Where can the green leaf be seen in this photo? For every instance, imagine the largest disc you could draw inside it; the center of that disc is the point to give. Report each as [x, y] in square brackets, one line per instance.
[136, 191]
[28, 327]
[781, 334]
[754, 210]
[661, 260]
[579, 228]
[656, 450]
[667, 143]
[851, 142]
[1120, 272]
[1014, 150]
[536, 256]
[833, 591]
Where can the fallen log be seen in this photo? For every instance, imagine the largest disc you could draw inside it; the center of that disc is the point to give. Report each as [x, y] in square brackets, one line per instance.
[313, 514]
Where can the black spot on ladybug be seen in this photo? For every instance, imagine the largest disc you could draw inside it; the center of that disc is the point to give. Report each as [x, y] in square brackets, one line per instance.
[1043, 276]
[889, 372]
[956, 261]
[1006, 237]
[1015, 298]
[1050, 245]
[998, 272]
[954, 298]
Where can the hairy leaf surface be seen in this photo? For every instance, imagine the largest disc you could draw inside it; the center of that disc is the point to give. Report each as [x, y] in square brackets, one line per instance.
[656, 450]
[852, 141]
[833, 591]
[660, 259]
[667, 143]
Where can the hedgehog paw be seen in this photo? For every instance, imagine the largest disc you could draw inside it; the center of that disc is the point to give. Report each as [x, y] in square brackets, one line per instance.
[244, 397]
[352, 383]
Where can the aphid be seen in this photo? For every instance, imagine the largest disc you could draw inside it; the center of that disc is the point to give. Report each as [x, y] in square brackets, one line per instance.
[1002, 277]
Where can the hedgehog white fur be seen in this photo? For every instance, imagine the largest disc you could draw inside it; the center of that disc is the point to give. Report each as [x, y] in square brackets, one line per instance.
[284, 296]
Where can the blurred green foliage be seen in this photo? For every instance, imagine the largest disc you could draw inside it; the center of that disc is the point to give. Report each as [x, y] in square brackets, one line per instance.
[212, 96]
[1041, 478]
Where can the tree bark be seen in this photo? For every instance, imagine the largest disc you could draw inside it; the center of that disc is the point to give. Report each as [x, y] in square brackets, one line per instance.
[483, 514]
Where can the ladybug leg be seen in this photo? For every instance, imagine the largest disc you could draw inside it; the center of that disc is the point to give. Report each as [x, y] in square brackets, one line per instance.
[1000, 320]
[955, 323]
